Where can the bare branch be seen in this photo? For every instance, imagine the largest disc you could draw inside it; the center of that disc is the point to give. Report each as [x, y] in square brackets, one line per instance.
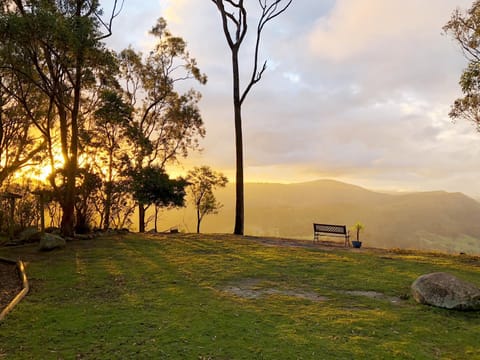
[239, 20]
[268, 13]
[225, 17]
[116, 10]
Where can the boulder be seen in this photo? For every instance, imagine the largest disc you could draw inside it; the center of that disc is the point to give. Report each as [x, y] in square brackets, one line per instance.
[29, 235]
[446, 291]
[50, 241]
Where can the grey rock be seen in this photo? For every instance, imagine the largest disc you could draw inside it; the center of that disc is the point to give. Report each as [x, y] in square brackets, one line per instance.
[444, 290]
[29, 235]
[50, 241]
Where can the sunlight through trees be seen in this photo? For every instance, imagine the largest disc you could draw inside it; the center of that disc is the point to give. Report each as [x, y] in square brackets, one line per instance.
[82, 122]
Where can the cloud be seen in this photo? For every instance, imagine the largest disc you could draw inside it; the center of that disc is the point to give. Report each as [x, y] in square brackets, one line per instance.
[133, 24]
[354, 89]
[378, 27]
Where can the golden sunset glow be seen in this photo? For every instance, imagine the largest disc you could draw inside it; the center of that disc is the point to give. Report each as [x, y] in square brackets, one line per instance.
[274, 179]
[331, 107]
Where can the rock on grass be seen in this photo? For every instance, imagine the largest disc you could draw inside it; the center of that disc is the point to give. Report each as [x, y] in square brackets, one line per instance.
[50, 241]
[444, 290]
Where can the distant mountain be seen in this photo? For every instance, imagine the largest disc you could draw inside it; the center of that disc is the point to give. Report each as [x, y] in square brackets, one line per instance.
[429, 220]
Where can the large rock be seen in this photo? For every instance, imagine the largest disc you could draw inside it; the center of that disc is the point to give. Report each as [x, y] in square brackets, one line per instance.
[29, 235]
[446, 291]
[50, 241]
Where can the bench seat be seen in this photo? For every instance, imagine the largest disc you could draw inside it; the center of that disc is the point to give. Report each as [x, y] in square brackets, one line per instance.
[331, 230]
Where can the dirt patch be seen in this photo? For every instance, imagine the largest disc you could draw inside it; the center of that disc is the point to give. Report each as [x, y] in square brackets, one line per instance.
[374, 295]
[10, 284]
[252, 288]
[257, 288]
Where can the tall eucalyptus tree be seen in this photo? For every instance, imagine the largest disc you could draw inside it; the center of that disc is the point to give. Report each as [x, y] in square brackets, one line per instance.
[234, 22]
[165, 123]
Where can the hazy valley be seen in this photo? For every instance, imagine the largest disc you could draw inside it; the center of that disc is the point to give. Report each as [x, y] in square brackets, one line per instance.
[428, 220]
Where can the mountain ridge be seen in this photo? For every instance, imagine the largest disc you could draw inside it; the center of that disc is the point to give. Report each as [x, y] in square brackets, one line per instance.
[430, 220]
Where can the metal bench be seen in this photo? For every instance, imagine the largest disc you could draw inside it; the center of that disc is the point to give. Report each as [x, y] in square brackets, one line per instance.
[331, 230]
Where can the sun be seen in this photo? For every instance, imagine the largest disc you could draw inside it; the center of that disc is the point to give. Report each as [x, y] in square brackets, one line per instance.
[39, 172]
[43, 172]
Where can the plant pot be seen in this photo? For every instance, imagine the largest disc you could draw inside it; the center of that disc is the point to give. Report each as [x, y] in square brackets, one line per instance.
[357, 244]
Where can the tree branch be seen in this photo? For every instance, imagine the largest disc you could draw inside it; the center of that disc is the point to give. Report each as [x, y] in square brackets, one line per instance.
[268, 13]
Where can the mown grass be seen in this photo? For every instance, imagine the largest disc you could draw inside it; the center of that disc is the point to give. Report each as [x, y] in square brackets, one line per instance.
[165, 297]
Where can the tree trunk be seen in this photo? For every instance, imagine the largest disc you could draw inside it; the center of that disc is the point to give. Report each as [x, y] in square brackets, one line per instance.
[67, 224]
[199, 219]
[67, 202]
[71, 163]
[141, 218]
[81, 224]
[237, 105]
[108, 205]
[41, 210]
[108, 191]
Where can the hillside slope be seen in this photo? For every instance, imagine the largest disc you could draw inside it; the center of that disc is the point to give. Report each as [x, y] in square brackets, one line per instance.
[431, 220]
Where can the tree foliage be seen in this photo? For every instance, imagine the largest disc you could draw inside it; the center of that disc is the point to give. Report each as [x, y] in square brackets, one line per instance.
[202, 181]
[25, 211]
[111, 117]
[87, 194]
[56, 48]
[105, 139]
[463, 27]
[19, 146]
[152, 186]
[165, 124]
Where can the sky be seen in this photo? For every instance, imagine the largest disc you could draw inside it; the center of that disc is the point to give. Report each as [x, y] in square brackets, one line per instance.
[355, 90]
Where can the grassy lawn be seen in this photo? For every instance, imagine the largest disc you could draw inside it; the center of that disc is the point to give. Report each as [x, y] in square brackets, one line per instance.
[222, 297]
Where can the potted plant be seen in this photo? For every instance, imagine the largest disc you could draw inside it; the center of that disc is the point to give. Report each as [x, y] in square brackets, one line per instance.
[357, 228]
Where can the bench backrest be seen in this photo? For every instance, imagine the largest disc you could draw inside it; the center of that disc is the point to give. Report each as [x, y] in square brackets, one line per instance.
[331, 229]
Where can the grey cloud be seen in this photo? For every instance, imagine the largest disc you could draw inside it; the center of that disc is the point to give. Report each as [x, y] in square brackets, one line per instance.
[376, 112]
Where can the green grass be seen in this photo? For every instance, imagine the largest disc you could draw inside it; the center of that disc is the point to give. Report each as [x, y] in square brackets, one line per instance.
[166, 297]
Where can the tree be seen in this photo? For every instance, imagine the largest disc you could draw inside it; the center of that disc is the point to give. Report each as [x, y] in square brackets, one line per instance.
[25, 212]
[463, 27]
[123, 206]
[105, 140]
[56, 47]
[19, 147]
[165, 123]
[234, 21]
[152, 186]
[87, 192]
[202, 181]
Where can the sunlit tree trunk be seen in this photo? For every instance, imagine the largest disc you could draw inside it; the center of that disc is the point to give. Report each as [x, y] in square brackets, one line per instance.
[239, 204]
[156, 218]
[199, 220]
[141, 218]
